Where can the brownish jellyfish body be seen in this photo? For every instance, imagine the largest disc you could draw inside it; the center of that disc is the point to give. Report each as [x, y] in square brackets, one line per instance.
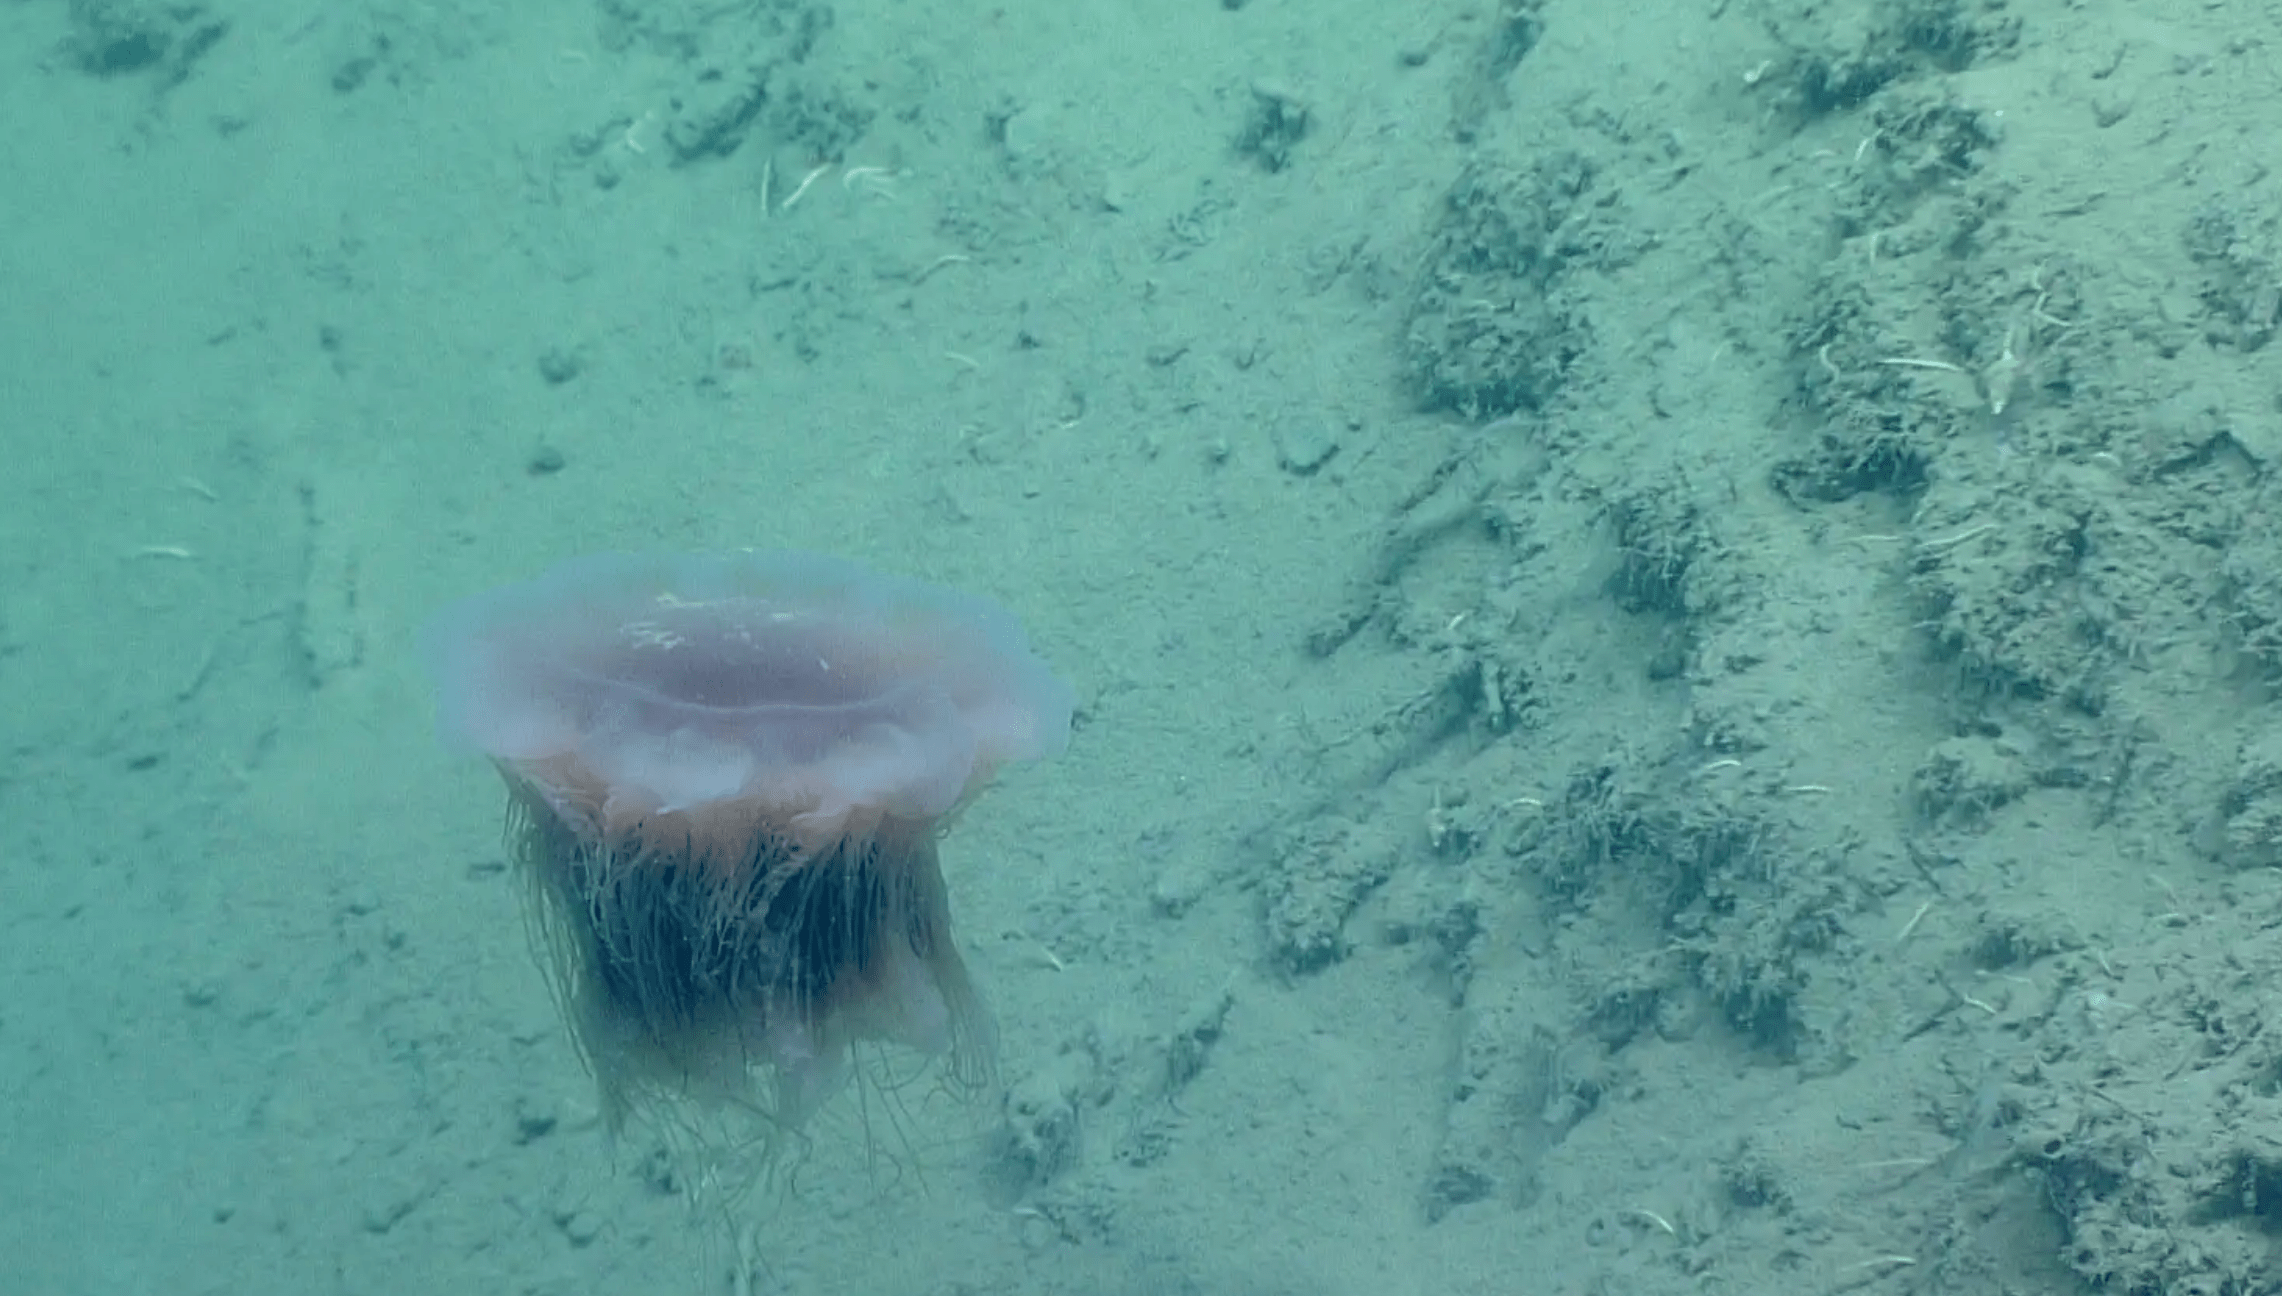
[727, 776]
[689, 949]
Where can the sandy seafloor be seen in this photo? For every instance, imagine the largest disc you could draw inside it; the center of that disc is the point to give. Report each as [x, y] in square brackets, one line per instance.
[1674, 608]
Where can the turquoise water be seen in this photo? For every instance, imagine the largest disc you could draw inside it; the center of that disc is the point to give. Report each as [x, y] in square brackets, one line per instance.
[1672, 613]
